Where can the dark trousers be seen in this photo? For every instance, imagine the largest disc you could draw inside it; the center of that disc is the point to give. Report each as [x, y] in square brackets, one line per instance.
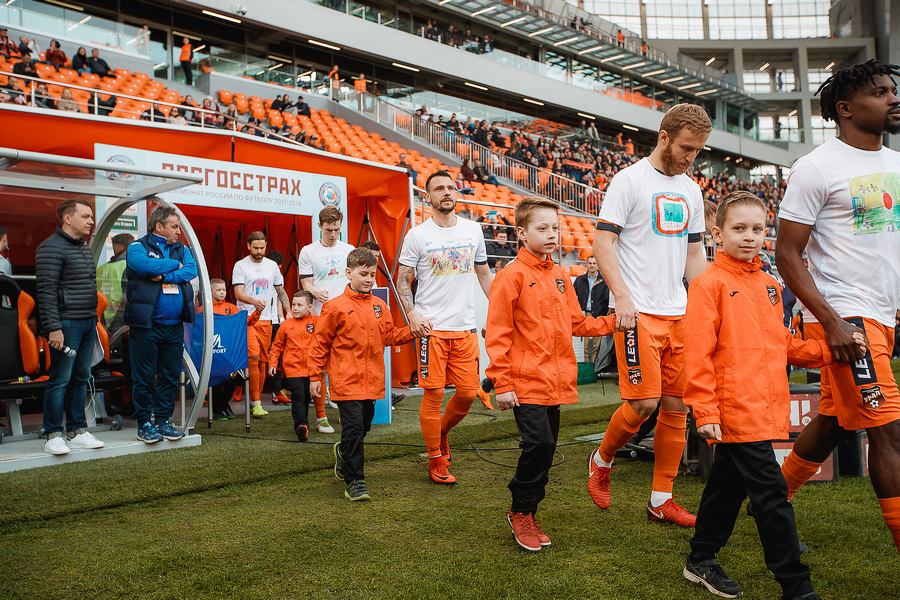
[278, 380]
[223, 392]
[539, 429]
[188, 73]
[300, 399]
[66, 390]
[155, 353]
[750, 469]
[356, 420]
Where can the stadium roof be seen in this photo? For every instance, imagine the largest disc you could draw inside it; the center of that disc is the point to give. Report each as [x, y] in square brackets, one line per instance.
[652, 68]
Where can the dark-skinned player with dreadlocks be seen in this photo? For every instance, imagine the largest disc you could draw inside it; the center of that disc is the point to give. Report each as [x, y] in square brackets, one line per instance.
[842, 204]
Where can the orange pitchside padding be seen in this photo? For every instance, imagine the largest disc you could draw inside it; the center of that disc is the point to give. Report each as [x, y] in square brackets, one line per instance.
[382, 191]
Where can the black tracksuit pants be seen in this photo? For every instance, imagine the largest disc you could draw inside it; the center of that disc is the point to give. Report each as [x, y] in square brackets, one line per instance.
[750, 469]
[300, 399]
[539, 429]
[356, 420]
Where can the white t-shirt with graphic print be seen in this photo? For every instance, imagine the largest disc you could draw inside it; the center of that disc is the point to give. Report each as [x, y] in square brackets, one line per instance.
[444, 259]
[851, 198]
[327, 266]
[657, 214]
[259, 281]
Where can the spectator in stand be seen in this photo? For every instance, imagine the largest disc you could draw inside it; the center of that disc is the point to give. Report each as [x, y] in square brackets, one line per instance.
[592, 132]
[55, 55]
[467, 173]
[25, 67]
[593, 296]
[102, 104]
[487, 45]
[431, 31]
[620, 38]
[413, 174]
[158, 301]
[80, 61]
[41, 97]
[219, 122]
[8, 47]
[65, 276]
[186, 58]
[188, 109]
[483, 175]
[99, 66]
[499, 248]
[629, 147]
[176, 118]
[66, 102]
[492, 226]
[279, 102]
[302, 107]
[644, 48]
[28, 48]
[5, 266]
[462, 186]
[231, 111]
[209, 116]
[12, 90]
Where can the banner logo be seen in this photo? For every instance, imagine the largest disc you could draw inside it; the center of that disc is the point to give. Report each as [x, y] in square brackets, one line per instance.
[329, 194]
[119, 179]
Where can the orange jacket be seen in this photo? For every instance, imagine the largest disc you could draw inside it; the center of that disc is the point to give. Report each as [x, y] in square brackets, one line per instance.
[532, 315]
[351, 334]
[187, 53]
[222, 308]
[736, 348]
[294, 339]
[360, 86]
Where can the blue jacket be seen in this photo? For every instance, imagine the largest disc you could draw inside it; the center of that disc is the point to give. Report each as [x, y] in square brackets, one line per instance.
[145, 304]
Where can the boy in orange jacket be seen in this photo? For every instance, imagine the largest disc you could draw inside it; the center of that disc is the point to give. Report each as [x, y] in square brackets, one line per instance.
[533, 313]
[351, 334]
[294, 341]
[735, 352]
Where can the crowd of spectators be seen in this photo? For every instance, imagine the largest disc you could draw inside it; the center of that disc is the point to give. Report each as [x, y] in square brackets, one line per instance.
[458, 38]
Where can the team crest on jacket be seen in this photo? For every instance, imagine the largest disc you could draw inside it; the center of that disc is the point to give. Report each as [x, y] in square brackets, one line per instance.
[773, 294]
[635, 377]
[309, 327]
[872, 397]
[561, 285]
[377, 311]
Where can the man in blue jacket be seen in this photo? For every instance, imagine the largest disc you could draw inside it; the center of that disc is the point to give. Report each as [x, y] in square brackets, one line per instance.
[158, 301]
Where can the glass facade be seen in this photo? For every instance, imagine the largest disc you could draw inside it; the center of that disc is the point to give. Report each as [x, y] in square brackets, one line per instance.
[624, 13]
[738, 20]
[674, 19]
[800, 18]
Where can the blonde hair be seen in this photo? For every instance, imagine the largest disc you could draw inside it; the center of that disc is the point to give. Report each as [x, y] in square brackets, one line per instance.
[685, 115]
[525, 209]
[738, 198]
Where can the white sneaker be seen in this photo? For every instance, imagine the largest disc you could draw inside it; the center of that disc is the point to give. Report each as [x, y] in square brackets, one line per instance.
[85, 440]
[56, 445]
[323, 426]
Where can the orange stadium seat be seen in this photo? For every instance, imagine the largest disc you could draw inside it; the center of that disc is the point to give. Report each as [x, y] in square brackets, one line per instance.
[225, 97]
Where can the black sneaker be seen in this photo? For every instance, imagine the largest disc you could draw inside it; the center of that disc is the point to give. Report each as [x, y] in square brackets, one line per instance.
[807, 596]
[338, 462]
[356, 491]
[710, 575]
[302, 432]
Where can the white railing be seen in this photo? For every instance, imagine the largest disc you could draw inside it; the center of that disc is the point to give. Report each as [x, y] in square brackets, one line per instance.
[539, 180]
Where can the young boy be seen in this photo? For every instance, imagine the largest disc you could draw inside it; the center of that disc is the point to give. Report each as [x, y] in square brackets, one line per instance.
[223, 392]
[294, 340]
[533, 313]
[736, 348]
[351, 335]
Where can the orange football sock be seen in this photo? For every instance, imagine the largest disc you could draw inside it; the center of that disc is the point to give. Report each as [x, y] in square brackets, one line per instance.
[430, 420]
[263, 373]
[255, 385]
[624, 424]
[797, 471]
[319, 403]
[457, 409]
[890, 510]
[668, 448]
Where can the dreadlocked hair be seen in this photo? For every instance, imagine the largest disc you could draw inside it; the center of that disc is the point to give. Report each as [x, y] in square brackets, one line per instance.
[843, 83]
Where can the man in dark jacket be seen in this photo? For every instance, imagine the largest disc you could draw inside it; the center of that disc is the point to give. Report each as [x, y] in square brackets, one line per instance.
[593, 295]
[67, 297]
[302, 107]
[98, 65]
[499, 248]
[159, 299]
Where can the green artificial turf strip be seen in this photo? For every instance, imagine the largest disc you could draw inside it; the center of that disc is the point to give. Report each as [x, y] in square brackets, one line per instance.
[241, 517]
